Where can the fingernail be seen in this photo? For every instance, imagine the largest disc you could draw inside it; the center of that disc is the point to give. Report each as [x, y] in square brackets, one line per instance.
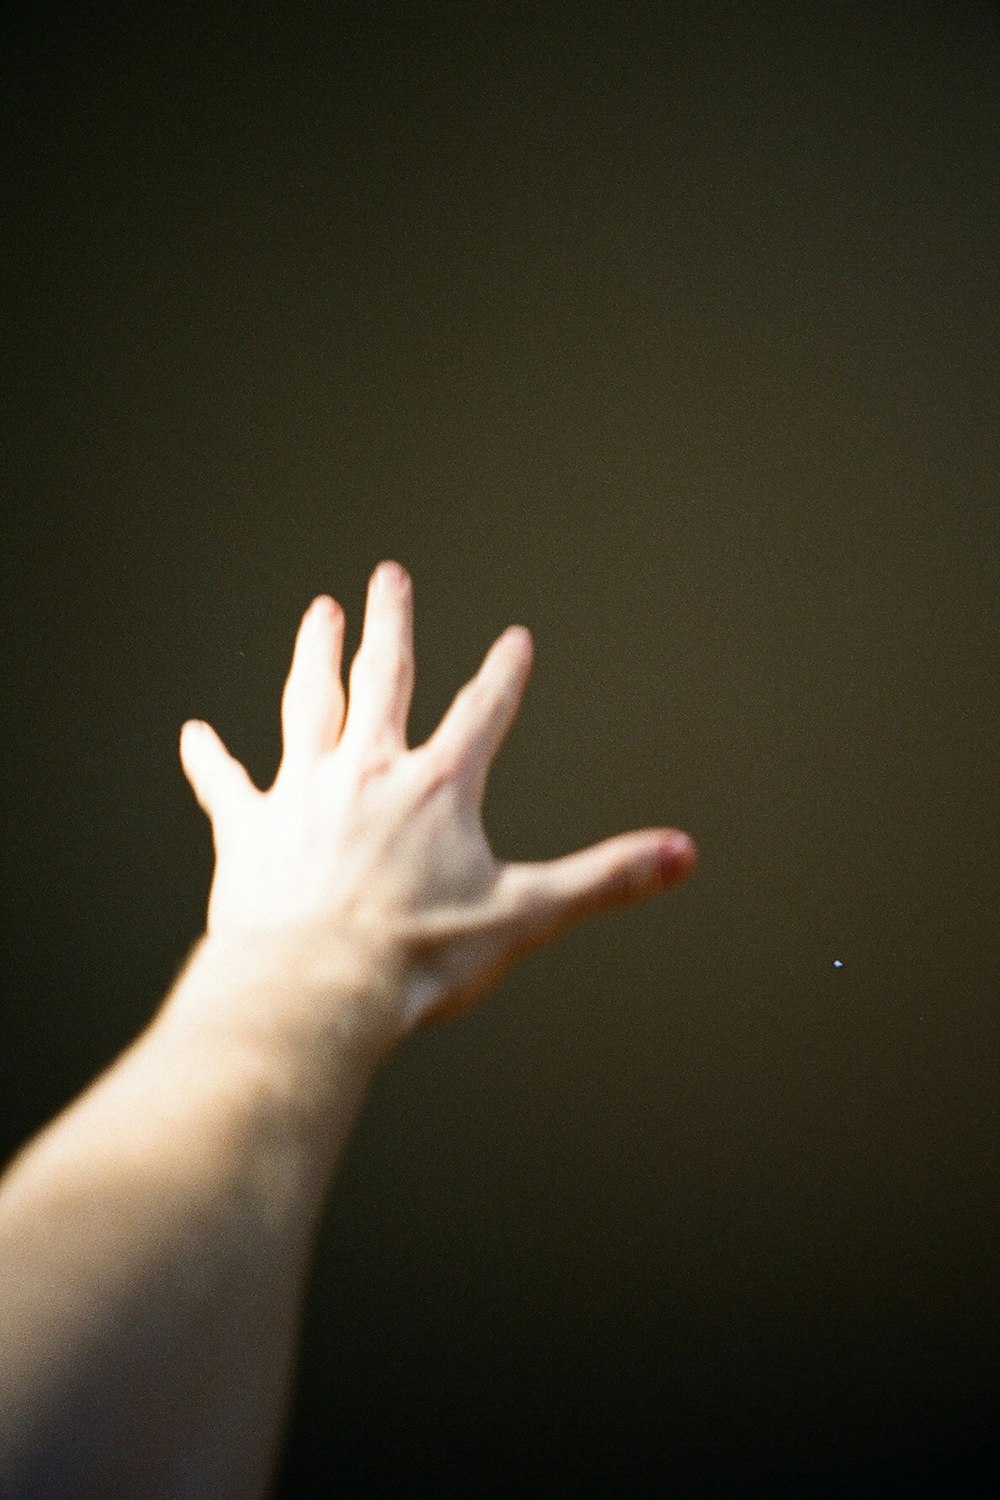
[676, 858]
[322, 608]
[390, 575]
[520, 636]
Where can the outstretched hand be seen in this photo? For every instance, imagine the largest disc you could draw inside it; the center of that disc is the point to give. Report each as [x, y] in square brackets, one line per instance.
[365, 840]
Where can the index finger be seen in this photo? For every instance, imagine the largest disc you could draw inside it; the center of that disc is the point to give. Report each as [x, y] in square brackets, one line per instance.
[469, 736]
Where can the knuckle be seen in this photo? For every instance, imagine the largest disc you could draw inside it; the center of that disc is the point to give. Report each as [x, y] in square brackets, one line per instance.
[386, 657]
[375, 764]
[397, 660]
[440, 765]
[478, 696]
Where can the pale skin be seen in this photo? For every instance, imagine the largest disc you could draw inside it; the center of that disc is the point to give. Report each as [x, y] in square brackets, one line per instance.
[155, 1239]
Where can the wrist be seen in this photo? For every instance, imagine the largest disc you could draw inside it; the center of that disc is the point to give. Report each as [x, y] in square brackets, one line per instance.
[302, 1008]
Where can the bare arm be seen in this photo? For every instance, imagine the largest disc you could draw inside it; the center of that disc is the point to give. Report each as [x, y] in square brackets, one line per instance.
[155, 1239]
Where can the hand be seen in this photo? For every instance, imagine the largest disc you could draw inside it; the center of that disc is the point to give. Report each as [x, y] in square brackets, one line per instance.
[364, 840]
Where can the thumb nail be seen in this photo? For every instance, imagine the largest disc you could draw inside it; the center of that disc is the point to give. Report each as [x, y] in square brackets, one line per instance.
[678, 857]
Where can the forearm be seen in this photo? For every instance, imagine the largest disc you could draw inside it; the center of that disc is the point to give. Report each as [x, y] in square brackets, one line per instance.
[155, 1239]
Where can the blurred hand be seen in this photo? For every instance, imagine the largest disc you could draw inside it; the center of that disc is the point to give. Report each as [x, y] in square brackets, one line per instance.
[365, 840]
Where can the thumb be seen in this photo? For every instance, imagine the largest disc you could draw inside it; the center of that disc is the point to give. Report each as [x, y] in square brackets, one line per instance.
[552, 894]
[217, 778]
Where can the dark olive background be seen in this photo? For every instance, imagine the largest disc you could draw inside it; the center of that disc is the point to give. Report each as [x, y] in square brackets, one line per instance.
[671, 332]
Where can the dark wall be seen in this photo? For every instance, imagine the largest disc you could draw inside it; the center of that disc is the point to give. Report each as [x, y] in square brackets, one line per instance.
[670, 331]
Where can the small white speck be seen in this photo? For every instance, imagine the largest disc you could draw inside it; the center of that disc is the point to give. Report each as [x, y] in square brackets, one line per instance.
[837, 964]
